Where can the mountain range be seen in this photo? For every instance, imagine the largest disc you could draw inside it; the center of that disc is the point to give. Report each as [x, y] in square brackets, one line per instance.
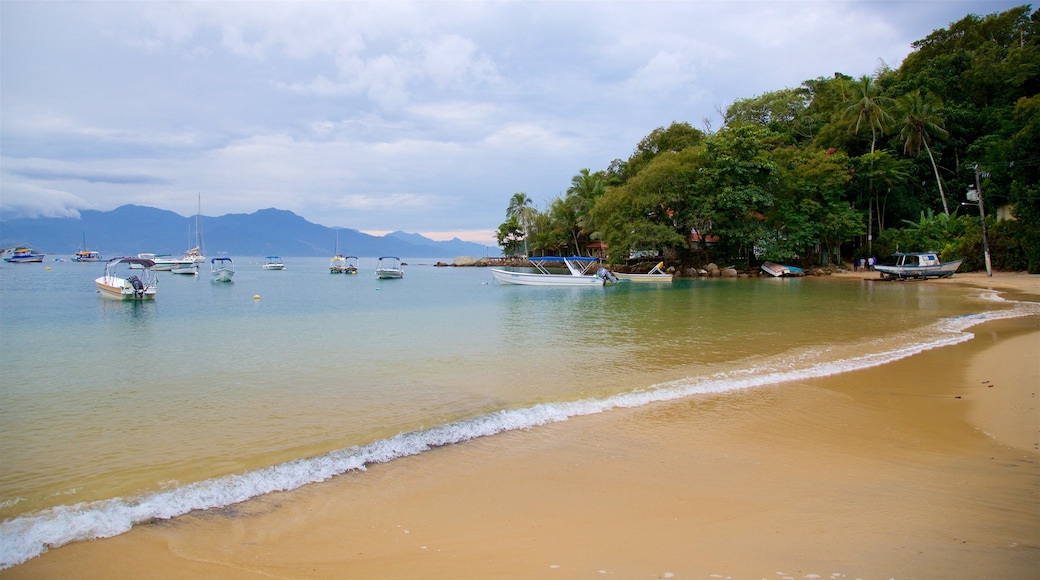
[132, 229]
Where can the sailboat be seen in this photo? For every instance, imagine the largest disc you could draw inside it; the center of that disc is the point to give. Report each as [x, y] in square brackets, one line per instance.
[338, 264]
[85, 255]
[198, 253]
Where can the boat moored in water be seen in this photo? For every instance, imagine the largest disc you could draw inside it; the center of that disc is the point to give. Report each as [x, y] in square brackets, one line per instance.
[656, 274]
[222, 269]
[116, 285]
[581, 272]
[22, 255]
[389, 267]
[917, 265]
[273, 263]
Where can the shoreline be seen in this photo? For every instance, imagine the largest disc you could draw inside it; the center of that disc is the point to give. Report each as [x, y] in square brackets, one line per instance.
[925, 467]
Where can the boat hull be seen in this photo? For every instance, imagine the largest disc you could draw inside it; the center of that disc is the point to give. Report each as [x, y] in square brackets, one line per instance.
[944, 270]
[114, 288]
[223, 275]
[644, 277]
[389, 274]
[538, 279]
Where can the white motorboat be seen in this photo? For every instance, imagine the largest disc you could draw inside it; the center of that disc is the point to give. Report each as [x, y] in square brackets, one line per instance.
[163, 262]
[338, 264]
[185, 267]
[579, 269]
[116, 285]
[222, 269]
[389, 267]
[656, 274]
[917, 265]
[352, 265]
[273, 263]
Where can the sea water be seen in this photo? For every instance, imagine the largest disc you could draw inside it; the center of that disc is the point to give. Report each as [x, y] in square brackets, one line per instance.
[115, 413]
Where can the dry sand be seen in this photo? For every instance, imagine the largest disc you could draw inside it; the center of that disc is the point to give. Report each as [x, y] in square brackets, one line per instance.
[923, 468]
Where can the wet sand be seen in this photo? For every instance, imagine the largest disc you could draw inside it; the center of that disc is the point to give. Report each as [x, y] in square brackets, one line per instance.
[923, 468]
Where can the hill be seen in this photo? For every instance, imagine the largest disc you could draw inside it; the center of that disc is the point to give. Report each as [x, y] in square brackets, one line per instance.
[132, 229]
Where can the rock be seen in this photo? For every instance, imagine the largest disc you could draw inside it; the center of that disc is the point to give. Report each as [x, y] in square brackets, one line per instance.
[729, 273]
[465, 261]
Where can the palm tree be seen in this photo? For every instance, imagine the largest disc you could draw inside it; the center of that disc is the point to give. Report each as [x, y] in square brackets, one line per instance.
[920, 122]
[585, 188]
[867, 106]
[520, 208]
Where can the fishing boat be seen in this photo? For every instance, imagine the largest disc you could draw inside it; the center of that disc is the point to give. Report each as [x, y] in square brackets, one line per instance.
[222, 269]
[273, 263]
[656, 274]
[86, 255]
[389, 267]
[23, 255]
[581, 272]
[116, 285]
[781, 270]
[917, 265]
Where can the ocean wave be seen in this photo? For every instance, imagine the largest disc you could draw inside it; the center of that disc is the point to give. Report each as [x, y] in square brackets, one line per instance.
[29, 536]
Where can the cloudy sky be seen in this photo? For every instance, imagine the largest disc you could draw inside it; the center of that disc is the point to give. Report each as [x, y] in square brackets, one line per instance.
[417, 116]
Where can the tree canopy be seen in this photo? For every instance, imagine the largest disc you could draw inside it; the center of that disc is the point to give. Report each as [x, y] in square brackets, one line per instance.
[834, 169]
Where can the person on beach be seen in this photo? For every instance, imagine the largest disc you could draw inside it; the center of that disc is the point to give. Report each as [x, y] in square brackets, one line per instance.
[862, 264]
[870, 263]
[855, 265]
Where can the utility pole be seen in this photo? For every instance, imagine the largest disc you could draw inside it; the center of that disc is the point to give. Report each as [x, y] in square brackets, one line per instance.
[976, 195]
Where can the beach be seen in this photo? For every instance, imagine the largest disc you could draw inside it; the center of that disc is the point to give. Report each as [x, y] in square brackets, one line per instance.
[926, 467]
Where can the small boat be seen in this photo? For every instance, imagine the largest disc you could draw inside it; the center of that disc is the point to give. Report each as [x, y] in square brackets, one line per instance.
[163, 262]
[222, 269]
[116, 286]
[196, 254]
[656, 274]
[352, 264]
[338, 264]
[389, 267]
[86, 255]
[579, 269]
[781, 270]
[185, 267]
[917, 265]
[273, 263]
[23, 256]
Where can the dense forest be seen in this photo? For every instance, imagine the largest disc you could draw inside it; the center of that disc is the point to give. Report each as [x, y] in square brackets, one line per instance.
[835, 169]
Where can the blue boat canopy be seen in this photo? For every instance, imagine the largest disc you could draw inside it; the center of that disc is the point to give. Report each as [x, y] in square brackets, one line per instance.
[562, 258]
[215, 260]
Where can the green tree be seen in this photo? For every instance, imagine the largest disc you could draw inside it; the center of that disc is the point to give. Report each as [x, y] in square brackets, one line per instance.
[920, 122]
[520, 209]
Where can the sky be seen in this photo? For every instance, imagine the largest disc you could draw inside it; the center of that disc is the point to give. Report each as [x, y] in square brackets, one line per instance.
[422, 116]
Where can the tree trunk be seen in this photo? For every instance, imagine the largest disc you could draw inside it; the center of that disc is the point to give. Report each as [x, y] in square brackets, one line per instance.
[935, 168]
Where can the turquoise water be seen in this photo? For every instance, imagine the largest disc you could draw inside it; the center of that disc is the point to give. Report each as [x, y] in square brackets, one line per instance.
[116, 413]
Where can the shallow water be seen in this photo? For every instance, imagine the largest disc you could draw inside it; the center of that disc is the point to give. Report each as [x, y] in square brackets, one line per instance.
[116, 413]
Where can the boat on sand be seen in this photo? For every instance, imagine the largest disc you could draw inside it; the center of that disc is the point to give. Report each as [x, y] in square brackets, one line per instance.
[917, 265]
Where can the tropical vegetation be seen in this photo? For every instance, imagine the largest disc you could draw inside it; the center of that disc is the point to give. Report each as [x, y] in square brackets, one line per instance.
[836, 169]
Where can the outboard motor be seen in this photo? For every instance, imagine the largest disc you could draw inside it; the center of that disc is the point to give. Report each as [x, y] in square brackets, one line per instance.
[137, 284]
[606, 275]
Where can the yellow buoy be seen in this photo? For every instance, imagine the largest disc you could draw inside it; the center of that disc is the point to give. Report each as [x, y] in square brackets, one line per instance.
[256, 296]
[48, 267]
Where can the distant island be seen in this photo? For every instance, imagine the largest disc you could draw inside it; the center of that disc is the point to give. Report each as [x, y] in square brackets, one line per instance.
[132, 229]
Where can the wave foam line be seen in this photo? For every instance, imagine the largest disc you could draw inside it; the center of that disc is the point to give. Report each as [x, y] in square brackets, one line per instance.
[29, 536]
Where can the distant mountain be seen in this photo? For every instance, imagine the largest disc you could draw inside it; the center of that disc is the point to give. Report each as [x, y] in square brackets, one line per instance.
[132, 229]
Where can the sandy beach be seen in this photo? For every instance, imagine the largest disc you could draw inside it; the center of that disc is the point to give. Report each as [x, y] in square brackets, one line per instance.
[922, 468]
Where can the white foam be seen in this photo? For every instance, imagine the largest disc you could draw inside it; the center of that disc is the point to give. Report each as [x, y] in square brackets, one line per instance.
[29, 536]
